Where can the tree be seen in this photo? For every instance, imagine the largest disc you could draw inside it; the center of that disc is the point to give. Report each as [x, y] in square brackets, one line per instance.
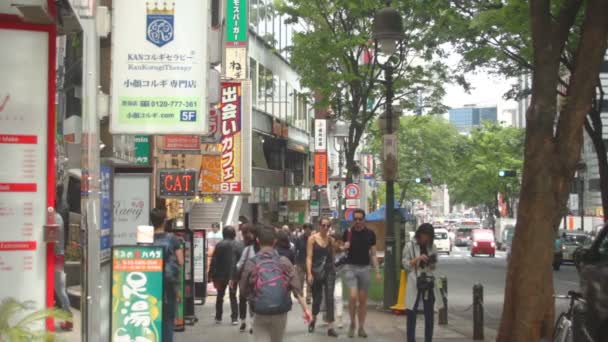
[427, 146]
[332, 54]
[563, 42]
[475, 178]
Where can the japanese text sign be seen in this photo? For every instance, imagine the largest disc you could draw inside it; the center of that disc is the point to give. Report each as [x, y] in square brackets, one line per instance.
[321, 169]
[236, 22]
[182, 143]
[177, 183]
[320, 135]
[159, 67]
[137, 293]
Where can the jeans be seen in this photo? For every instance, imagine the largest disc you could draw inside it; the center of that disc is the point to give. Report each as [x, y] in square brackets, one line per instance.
[269, 328]
[428, 301]
[324, 287]
[169, 309]
[219, 304]
[61, 291]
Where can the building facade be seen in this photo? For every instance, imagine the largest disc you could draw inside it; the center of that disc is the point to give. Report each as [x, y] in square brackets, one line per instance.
[467, 118]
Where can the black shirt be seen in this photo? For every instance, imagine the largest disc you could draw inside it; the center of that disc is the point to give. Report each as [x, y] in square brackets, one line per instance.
[301, 251]
[360, 244]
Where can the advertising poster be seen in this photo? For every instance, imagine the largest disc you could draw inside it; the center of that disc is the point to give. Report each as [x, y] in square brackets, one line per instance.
[199, 267]
[211, 174]
[137, 293]
[131, 206]
[235, 124]
[159, 67]
[187, 236]
[105, 226]
[23, 175]
[180, 324]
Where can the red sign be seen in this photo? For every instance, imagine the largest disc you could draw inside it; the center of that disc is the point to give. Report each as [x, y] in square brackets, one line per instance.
[352, 191]
[18, 187]
[182, 143]
[321, 169]
[177, 183]
[18, 139]
[230, 124]
[17, 245]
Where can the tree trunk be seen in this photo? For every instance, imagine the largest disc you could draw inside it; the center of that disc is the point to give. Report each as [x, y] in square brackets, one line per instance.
[551, 155]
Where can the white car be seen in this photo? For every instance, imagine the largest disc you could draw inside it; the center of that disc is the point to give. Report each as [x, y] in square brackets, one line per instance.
[443, 243]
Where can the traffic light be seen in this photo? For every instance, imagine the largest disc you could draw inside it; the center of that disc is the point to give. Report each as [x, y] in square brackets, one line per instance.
[507, 173]
[424, 180]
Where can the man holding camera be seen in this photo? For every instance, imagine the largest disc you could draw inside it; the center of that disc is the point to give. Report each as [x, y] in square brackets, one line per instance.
[420, 260]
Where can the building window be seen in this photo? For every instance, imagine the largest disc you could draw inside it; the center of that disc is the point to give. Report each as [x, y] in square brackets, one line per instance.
[253, 75]
[594, 185]
[257, 150]
[262, 77]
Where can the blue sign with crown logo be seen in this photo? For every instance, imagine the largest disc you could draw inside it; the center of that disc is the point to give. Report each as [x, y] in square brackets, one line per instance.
[159, 23]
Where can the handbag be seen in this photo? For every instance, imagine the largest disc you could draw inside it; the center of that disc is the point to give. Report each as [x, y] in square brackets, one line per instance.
[424, 281]
[320, 271]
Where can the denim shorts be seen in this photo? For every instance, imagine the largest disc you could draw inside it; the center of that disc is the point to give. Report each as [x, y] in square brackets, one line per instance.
[357, 277]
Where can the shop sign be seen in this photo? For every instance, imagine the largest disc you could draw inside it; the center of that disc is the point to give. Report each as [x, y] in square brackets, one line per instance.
[236, 63]
[182, 144]
[314, 208]
[236, 22]
[211, 174]
[177, 183]
[159, 67]
[321, 169]
[320, 135]
[24, 103]
[105, 225]
[142, 150]
[137, 293]
[235, 127]
[131, 204]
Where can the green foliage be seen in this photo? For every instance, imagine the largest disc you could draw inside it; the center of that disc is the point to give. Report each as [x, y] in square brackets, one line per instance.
[474, 180]
[427, 146]
[19, 321]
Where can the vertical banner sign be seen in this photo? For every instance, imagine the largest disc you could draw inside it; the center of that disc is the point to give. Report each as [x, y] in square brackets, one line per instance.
[180, 324]
[105, 226]
[142, 150]
[137, 293]
[320, 135]
[321, 169]
[131, 204]
[235, 127]
[236, 62]
[199, 252]
[24, 110]
[159, 67]
[236, 22]
[211, 174]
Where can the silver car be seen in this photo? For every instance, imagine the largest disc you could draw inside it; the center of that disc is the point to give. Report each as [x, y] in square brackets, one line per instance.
[573, 240]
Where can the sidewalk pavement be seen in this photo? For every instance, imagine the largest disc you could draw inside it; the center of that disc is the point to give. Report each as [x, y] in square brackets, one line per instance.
[380, 326]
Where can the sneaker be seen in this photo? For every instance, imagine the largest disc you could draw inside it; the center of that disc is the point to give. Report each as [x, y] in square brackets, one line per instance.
[362, 333]
[351, 331]
[235, 322]
[243, 327]
[218, 321]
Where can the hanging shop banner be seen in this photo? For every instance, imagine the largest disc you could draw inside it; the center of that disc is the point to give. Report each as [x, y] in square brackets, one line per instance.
[321, 169]
[235, 119]
[175, 183]
[236, 63]
[137, 293]
[105, 225]
[199, 252]
[320, 135]
[211, 174]
[182, 144]
[142, 150]
[159, 67]
[132, 198]
[24, 105]
[236, 22]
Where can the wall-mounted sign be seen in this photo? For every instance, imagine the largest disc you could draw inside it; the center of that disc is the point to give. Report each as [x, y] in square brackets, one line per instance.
[142, 150]
[24, 102]
[236, 63]
[321, 169]
[137, 293]
[159, 67]
[320, 135]
[105, 224]
[182, 144]
[235, 125]
[211, 174]
[177, 183]
[236, 22]
[131, 197]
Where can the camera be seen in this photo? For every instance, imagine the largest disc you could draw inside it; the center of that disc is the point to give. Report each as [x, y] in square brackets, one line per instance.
[432, 260]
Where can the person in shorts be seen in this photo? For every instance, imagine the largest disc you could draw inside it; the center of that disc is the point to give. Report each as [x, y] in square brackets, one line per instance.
[360, 246]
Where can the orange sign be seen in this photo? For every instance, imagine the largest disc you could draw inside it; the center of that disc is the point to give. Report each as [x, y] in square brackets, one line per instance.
[320, 169]
[211, 174]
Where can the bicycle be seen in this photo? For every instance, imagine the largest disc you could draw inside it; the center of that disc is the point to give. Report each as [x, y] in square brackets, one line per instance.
[564, 325]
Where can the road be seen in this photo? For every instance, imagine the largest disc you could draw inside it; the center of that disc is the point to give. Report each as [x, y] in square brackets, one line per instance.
[463, 272]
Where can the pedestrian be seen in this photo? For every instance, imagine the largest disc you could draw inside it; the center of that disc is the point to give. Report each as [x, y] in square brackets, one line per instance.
[173, 257]
[283, 246]
[268, 281]
[60, 277]
[420, 260]
[301, 245]
[252, 247]
[321, 274]
[222, 272]
[360, 246]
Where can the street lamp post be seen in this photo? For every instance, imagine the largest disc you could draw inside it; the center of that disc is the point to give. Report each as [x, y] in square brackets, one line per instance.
[388, 38]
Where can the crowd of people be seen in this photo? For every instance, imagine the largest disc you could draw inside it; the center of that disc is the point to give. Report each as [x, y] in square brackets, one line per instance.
[268, 266]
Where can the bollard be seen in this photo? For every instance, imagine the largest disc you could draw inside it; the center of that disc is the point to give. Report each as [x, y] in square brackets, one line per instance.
[478, 312]
[443, 312]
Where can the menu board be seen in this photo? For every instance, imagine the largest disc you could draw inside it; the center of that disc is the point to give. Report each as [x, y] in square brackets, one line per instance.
[23, 141]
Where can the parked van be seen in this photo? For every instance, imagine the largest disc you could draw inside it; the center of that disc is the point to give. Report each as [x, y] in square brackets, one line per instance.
[442, 241]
